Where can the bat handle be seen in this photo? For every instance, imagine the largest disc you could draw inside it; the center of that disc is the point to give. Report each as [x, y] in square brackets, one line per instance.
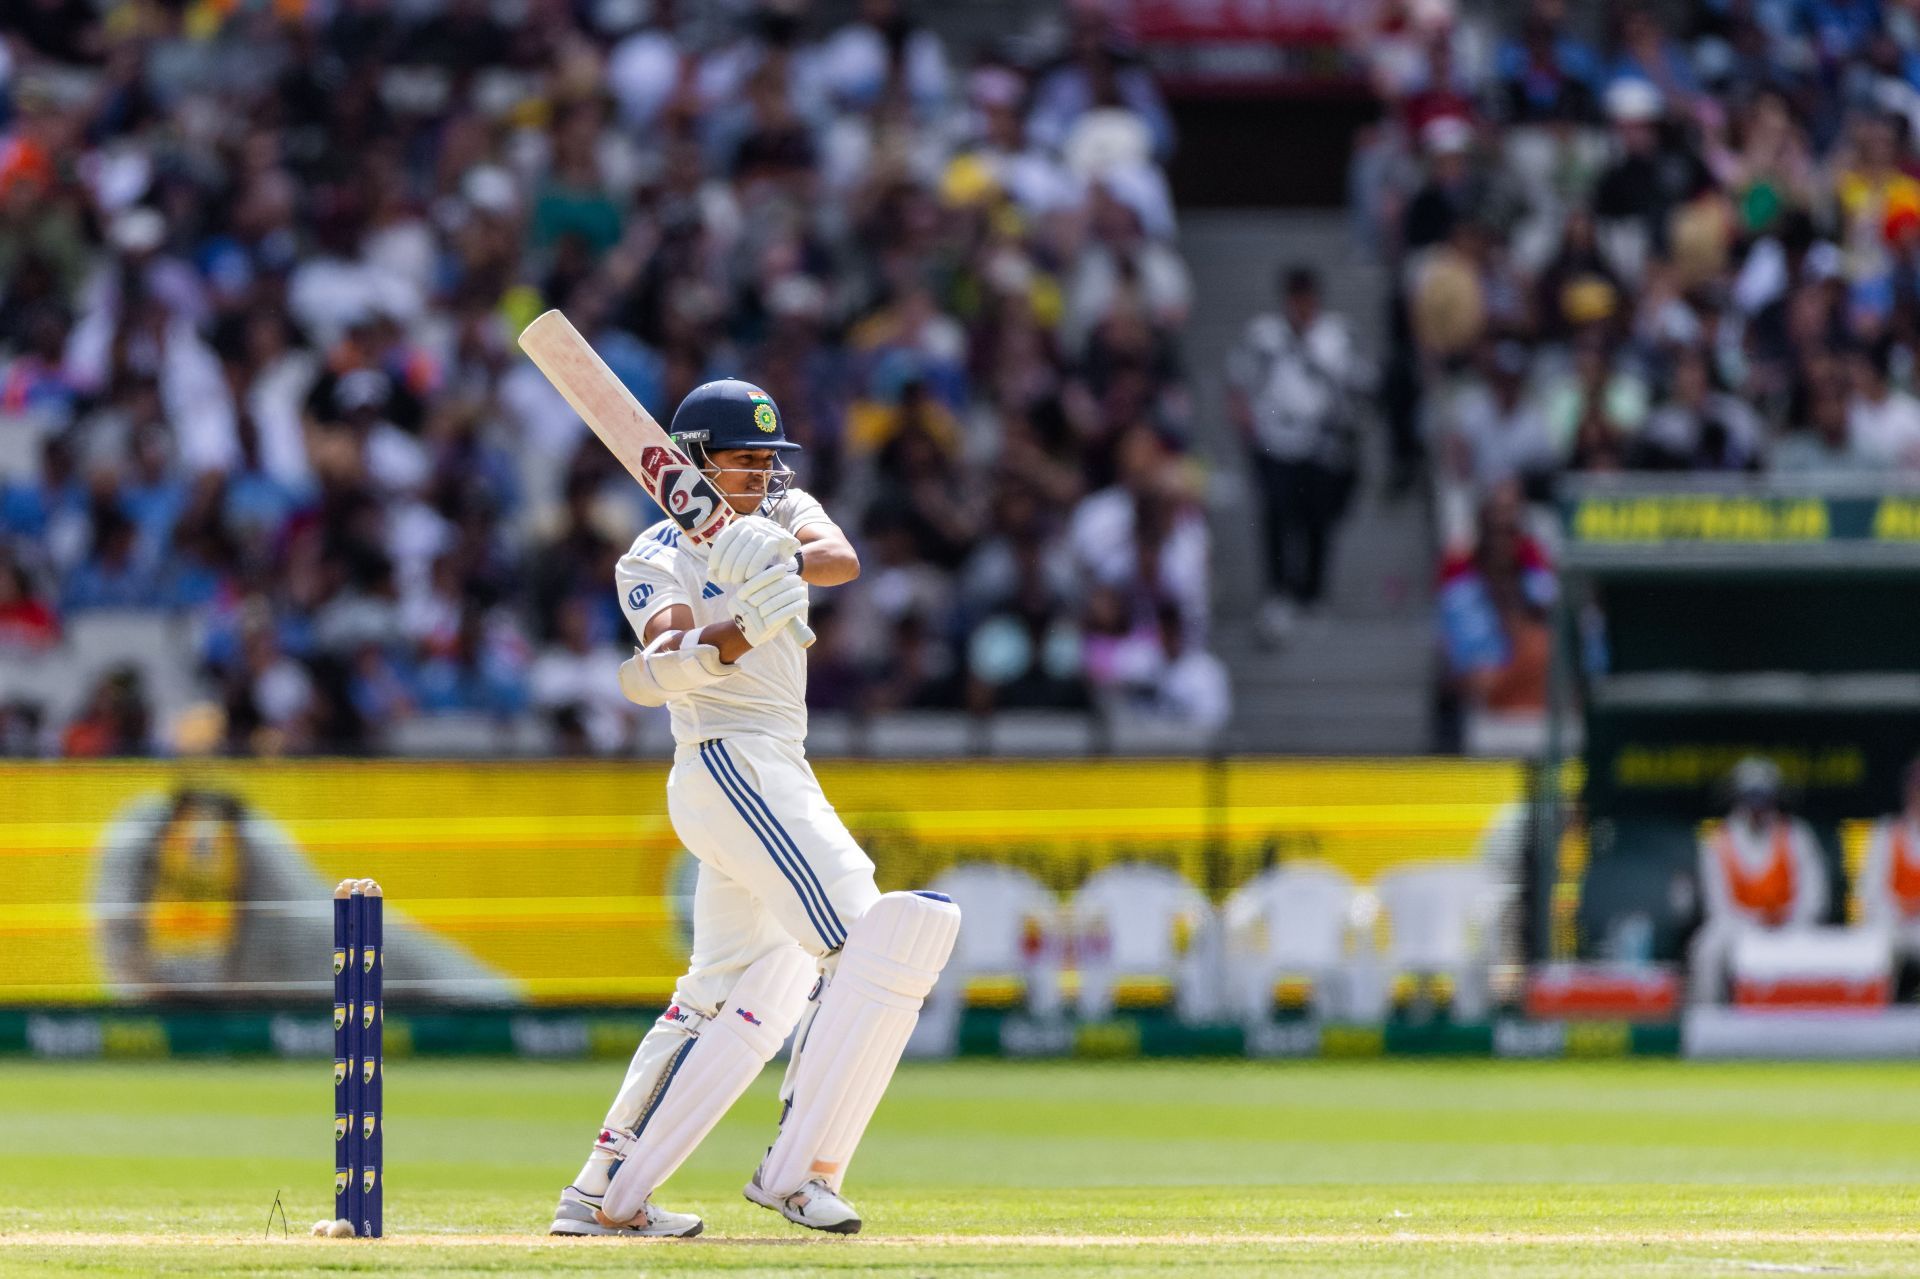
[803, 633]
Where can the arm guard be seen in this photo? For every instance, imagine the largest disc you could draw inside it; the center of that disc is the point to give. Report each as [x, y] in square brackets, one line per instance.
[657, 674]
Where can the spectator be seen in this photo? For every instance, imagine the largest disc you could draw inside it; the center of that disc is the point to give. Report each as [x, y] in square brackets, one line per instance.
[1493, 606]
[1095, 71]
[577, 680]
[1294, 385]
[20, 729]
[273, 706]
[1825, 445]
[1883, 421]
[1648, 179]
[27, 624]
[1143, 533]
[1873, 191]
[1546, 73]
[1498, 434]
[1698, 427]
[114, 720]
[1194, 690]
[1451, 191]
[113, 575]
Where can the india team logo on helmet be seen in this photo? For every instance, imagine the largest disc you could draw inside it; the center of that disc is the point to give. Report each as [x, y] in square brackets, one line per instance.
[763, 414]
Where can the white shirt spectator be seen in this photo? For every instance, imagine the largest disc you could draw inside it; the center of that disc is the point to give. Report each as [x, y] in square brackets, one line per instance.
[193, 388]
[643, 71]
[1195, 690]
[1101, 533]
[1502, 444]
[854, 64]
[1887, 431]
[1297, 383]
[590, 680]
[283, 692]
[276, 401]
[1160, 276]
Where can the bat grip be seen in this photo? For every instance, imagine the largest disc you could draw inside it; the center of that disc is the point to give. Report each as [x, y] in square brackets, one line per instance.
[803, 633]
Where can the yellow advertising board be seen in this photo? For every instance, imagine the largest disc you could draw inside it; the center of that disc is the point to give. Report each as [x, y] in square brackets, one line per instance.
[563, 883]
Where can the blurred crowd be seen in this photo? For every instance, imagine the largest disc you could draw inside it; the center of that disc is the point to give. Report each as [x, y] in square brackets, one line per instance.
[1675, 238]
[261, 269]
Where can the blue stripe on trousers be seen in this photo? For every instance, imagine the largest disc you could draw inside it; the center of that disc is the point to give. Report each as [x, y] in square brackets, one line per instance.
[806, 867]
[773, 849]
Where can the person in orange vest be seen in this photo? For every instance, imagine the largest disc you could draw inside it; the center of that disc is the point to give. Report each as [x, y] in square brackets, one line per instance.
[1889, 886]
[1760, 868]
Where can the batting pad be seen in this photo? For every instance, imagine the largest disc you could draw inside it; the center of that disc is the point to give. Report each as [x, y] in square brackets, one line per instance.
[893, 955]
[709, 1074]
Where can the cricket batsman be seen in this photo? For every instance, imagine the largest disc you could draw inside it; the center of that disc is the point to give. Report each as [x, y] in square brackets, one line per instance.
[788, 927]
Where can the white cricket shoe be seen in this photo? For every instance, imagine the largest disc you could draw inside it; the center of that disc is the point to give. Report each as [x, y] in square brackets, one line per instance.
[814, 1206]
[579, 1215]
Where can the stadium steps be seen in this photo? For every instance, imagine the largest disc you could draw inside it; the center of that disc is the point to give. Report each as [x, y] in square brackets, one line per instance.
[1356, 680]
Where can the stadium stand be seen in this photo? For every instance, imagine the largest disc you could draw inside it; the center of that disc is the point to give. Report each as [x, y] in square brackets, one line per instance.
[260, 272]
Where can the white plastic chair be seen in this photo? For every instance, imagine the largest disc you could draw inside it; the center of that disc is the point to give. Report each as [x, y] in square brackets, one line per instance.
[1007, 955]
[1008, 951]
[1290, 922]
[1141, 934]
[1437, 918]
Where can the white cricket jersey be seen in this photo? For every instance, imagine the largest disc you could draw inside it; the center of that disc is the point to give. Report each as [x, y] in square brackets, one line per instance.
[767, 694]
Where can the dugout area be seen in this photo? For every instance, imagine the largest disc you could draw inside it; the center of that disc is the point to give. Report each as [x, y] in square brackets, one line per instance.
[1700, 622]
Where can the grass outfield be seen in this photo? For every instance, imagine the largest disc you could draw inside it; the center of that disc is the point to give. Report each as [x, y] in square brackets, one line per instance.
[1435, 1169]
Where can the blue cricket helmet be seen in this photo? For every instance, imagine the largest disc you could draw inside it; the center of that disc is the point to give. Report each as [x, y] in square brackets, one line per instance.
[730, 414]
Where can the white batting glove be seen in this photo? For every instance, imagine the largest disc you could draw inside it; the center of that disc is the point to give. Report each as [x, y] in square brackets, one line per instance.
[747, 546]
[771, 598]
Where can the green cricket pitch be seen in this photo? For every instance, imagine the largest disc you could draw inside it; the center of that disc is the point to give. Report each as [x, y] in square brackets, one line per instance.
[1431, 1168]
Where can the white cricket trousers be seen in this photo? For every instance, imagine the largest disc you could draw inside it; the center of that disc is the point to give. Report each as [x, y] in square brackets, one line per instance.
[777, 865]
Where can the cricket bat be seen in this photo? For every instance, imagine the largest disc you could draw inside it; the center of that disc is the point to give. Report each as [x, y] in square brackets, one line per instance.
[629, 432]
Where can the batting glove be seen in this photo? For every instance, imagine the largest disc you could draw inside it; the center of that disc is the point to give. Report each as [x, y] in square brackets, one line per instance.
[770, 599]
[747, 546]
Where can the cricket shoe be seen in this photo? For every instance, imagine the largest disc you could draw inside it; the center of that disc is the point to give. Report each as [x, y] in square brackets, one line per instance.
[814, 1206]
[579, 1215]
